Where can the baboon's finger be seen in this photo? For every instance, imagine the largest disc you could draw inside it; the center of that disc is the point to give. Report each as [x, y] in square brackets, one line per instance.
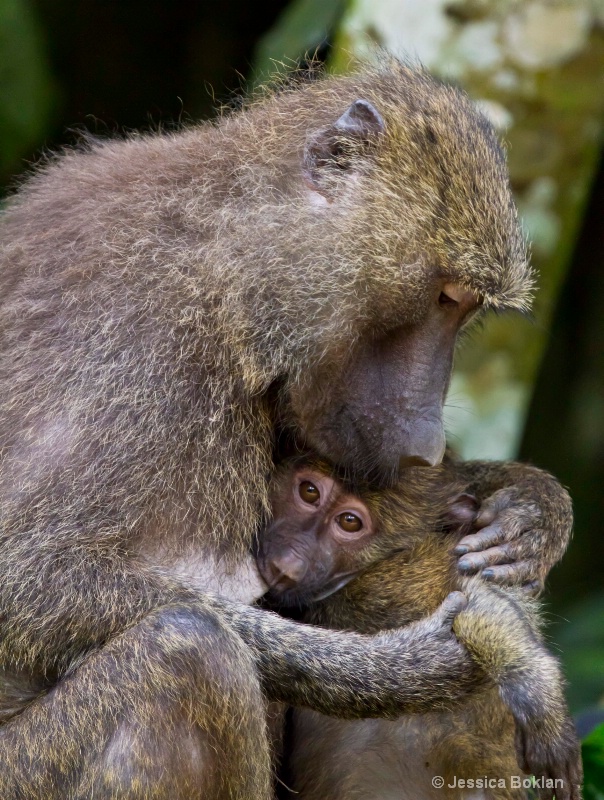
[493, 506]
[486, 515]
[481, 540]
[513, 574]
[453, 604]
[472, 562]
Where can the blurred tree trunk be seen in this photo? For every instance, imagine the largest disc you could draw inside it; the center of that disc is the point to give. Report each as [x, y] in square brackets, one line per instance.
[565, 434]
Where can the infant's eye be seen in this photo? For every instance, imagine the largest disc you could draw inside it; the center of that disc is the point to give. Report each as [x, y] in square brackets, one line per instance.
[309, 492]
[349, 522]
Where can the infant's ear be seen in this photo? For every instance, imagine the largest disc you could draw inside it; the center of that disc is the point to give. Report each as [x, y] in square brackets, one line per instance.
[461, 510]
[335, 151]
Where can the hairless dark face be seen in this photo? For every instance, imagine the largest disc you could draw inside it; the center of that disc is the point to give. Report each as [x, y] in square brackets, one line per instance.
[400, 383]
[322, 535]
[308, 551]
[383, 411]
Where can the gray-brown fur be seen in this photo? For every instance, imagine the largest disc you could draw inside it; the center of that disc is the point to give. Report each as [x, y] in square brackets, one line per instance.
[406, 565]
[166, 302]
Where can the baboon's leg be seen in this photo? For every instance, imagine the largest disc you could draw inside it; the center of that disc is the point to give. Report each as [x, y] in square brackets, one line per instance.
[171, 708]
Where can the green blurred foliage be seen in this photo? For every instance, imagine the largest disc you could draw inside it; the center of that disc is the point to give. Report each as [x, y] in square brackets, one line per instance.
[300, 30]
[580, 638]
[27, 91]
[593, 765]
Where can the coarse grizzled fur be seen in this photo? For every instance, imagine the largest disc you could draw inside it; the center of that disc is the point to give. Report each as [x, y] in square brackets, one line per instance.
[168, 301]
[515, 723]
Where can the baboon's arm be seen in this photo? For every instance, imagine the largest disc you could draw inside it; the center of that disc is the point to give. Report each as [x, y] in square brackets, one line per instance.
[414, 669]
[170, 708]
[501, 630]
[525, 522]
[90, 601]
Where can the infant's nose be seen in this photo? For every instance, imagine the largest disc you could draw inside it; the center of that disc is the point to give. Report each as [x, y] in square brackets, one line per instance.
[285, 571]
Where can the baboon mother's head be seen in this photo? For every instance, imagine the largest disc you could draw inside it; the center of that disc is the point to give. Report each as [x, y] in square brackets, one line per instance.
[410, 233]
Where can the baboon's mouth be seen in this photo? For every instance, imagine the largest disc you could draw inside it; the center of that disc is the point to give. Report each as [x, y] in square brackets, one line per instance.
[337, 583]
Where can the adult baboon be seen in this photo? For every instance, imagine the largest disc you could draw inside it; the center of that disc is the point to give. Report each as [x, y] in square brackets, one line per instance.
[167, 304]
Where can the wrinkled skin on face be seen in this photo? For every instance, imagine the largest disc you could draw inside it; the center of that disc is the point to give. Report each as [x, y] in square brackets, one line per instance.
[324, 532]
[385, 412]
[316, 537]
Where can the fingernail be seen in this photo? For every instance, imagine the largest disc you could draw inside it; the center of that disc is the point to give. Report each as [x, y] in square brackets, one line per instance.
[464, 565]
[488, 574]
[461, 550]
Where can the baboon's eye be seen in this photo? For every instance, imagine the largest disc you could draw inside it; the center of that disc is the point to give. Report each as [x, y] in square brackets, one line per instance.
[444, 301]
[309, 492]
[349, 522]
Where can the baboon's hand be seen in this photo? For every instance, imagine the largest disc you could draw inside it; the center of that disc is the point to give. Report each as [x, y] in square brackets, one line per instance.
[519, 534]
[441, 621]
[427, 655]
[555, 757]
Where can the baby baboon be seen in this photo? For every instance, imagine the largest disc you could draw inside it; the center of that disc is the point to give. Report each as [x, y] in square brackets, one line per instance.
[173, 305]
[371, 560]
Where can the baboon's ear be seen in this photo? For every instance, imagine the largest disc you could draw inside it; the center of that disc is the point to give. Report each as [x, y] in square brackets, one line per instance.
[462, 509]
[334, 150]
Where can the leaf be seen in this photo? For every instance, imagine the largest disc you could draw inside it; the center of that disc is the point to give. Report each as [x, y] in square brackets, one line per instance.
[300, 29]
[593, 764]
[27, 92]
